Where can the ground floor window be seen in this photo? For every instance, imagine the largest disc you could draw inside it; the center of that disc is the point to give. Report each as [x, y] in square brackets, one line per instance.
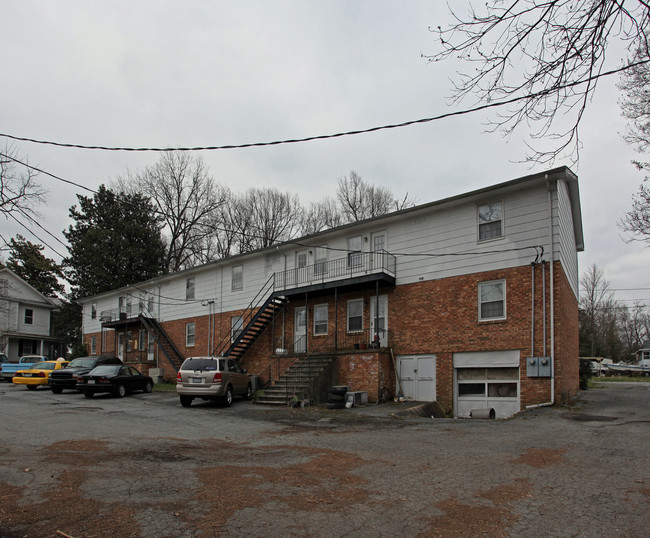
[190, 334]
[236, 327]
[320, 319]
[93, 345]
[355, 315]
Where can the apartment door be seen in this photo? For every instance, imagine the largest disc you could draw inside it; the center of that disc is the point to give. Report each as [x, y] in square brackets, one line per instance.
[379, 320]
[378, 245]
[417, 374]
[300, 330]
[120, 346]
[302, 275]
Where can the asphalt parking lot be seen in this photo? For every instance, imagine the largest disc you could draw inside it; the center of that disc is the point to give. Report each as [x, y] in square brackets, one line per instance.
[145, 466]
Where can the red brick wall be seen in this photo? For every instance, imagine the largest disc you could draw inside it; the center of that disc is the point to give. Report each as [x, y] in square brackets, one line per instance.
[435, 317]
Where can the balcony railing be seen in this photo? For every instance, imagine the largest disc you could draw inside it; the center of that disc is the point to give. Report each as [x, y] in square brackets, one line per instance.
[343, 340]
[354, 265]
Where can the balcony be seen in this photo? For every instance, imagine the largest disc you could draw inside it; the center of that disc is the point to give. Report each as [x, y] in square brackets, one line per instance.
[355, 268]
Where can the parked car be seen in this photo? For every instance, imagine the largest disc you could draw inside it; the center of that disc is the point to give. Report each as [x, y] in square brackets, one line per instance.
[68, 376]
[212, 378]
[38, 374]
[3, 358]
[118, 379]
[9, 369]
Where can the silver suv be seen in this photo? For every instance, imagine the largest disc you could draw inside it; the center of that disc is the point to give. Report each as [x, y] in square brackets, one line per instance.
[212, 378]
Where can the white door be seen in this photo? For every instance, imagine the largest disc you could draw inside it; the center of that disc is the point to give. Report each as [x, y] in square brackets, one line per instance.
[150, 347]
[380, 319]
[120, 346]
[378, 245]
[300, 330]
[417, 375]
[302, 269]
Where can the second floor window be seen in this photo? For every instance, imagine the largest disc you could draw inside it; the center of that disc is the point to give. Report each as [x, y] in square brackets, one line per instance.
[189, 289]
[490, 221]
[93, 311]
[29, 316]
[237, 277]
[354, 251]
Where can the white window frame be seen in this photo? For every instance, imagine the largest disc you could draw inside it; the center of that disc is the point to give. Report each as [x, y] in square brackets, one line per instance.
[352, 302]
[93, 311]
[93, 345]
[190, 288]
[29, 319]
[355, 258]
[320, 320]
[500, 282]
[237, 283]
[320, 260]
[483, 221]
[190, 334]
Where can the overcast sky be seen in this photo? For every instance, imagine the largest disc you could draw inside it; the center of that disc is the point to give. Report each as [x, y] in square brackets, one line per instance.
[161, 73]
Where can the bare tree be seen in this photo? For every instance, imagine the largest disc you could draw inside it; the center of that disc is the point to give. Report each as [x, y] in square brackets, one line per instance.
[19, 190]
[543, 58]
[263, 217]
[321, 216]
[635, 103]
[187, 197]
[636, 222]
[360, 200]
[599, 328]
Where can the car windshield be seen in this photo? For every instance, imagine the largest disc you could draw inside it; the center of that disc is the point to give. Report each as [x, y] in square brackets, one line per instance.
[43, 366]
[31, 358]
[200, 363]
[106, 369]
[82, 362]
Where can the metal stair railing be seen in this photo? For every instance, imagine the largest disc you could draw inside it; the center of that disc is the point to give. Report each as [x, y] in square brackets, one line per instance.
[161, 338]
[264, 298]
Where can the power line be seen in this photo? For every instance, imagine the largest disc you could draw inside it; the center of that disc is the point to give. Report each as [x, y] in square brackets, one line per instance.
[446, 115]
[36, 236]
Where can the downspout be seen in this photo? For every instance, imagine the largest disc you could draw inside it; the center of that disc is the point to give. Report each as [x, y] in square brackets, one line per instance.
[532, 315]
[552, 354]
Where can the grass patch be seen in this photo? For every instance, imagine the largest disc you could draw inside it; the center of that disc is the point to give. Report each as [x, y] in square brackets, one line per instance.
[620, 378]
[164, 387]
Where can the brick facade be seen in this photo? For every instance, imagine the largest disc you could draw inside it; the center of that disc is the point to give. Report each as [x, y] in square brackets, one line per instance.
[438, 317]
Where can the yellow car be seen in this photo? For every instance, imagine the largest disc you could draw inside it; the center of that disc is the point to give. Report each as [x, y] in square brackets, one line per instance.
[37, 374]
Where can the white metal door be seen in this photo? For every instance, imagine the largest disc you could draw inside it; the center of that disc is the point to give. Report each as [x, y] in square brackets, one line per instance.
[417, 375]
[378, 245]
[380, 319]
[300, 330]
[120, 346]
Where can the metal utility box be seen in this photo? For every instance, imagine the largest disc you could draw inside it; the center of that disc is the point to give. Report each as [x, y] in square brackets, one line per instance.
[532, 366]
[544, 366]
[538, 367]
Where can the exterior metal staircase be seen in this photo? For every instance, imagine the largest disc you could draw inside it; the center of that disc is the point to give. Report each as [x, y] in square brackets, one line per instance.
[308, 378]
[162, 339]
[256, 317]
[260, 321]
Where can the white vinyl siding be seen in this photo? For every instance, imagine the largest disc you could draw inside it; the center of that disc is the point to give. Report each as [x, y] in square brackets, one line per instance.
[567, 241]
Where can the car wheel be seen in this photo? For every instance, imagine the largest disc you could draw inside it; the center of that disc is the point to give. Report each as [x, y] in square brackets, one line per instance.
[120, 392]
[89, 394]
[227, 399]
[148, 387]
[31, 387]
[57, 390]
[186, 401]
[249, 392]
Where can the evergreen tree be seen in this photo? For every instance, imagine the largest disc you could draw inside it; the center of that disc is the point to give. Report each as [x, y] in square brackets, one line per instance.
[114, 242]
[28, 261]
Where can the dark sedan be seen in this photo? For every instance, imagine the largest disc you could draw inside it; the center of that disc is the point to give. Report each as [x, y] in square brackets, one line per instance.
[114, 378]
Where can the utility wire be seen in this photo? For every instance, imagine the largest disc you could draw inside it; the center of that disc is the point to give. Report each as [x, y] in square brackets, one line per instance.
[36, 236]
[478, 108]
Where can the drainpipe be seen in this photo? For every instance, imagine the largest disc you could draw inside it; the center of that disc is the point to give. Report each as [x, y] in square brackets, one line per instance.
[552, 354]
[532, 315]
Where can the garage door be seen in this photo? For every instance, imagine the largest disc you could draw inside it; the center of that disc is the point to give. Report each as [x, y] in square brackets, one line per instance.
[484, 380]
[417, 374]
